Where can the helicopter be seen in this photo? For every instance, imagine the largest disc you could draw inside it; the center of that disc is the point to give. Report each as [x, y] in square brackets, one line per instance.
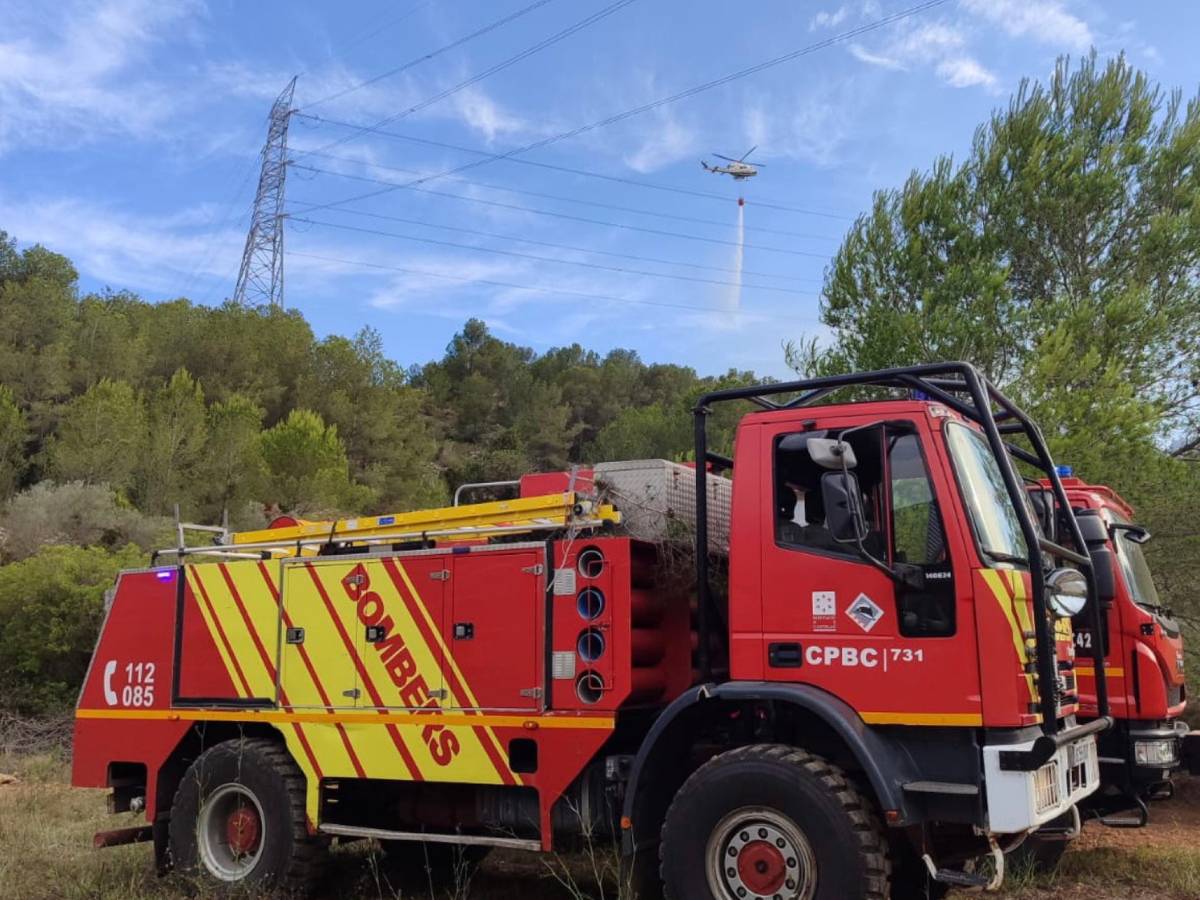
[737, 168]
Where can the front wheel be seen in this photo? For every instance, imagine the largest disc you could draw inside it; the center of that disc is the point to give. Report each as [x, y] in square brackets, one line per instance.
[774, 822]
[238, 820]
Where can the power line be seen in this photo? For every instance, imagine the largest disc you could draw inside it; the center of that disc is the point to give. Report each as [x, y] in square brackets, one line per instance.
[550, 259]
[616, 179]
[492, 70]
[523, 240]
[544, 290]
[579, 200]
[492, 26]
[313, 207]
[382, 23]
[663, 101]
[225, 219]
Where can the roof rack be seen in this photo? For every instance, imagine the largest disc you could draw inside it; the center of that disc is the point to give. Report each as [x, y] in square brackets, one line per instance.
[473, 522]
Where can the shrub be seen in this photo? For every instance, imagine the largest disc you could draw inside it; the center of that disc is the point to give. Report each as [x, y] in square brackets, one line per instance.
[51, 607]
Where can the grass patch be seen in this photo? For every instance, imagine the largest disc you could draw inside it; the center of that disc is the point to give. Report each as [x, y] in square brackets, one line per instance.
[1114, 873]
[46, 829]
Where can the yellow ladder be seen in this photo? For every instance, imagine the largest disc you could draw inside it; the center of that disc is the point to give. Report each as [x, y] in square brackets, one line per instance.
[475, 521]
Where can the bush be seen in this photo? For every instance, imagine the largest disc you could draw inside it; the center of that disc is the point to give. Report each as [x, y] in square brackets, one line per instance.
[51, 607]
[75, 513]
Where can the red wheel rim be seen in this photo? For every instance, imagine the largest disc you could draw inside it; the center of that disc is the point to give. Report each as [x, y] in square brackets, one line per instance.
[243, 829]
[761, 867]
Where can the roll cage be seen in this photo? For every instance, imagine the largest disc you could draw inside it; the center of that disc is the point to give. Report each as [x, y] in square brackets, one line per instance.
[961, 387]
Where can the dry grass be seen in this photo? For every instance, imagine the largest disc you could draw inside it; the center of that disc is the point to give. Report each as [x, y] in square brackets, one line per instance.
[46, 853]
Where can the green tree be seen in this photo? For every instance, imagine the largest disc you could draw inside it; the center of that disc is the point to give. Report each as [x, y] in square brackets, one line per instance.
[175, 441]
[51, 606]
[1061, 257]
[231, 472]
[37, 306]
[14, 432]
[644, 432]
[381, 419]
[101, 436]
[307, 469]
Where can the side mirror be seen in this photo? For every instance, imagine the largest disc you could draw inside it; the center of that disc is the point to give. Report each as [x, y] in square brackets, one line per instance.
[1067, 592]
[1092, 527]
[843, 507]
[1106, 580]
[829, 453]
[1135, 533]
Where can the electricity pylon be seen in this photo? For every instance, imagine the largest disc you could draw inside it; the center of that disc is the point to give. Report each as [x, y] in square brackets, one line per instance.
[260, 277]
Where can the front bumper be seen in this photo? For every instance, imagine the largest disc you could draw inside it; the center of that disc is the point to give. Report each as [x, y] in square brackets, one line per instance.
[1140, 754]
[1023, 799]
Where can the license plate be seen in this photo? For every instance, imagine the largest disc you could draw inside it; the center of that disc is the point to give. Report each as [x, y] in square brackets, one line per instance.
[1078, 753]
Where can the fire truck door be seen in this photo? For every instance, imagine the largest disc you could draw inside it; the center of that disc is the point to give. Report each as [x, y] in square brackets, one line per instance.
[320, 636]
[494, 630]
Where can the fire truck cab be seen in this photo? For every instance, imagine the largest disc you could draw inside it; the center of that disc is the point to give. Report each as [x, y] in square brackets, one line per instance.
[1143, 646]
[835, 674]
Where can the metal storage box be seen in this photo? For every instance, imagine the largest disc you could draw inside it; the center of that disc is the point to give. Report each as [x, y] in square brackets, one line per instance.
[657, 500]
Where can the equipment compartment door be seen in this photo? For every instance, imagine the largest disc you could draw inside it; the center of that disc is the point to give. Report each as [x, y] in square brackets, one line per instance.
[321, 638]
[495, 628]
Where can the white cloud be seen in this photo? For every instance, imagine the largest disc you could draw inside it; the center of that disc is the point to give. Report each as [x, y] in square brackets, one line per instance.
[479, 112]
[811, 126]
[667, 140]
[160, 254]
[73, 80]
[935, 45]
[1046, 21]
[862, 54]
[962, 71]
[825, 19]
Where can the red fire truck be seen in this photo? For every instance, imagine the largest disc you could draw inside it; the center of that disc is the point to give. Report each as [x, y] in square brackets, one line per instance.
[1143, 646]
[853, 692]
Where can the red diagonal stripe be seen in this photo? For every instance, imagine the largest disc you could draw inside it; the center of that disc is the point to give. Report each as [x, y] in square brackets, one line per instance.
[241, 607]
[362, 673]
[287, 622]
[308, 751]
[433, 641]
[221, 633]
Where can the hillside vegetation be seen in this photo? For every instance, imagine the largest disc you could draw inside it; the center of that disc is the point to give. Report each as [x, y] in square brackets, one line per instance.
[1060, 256]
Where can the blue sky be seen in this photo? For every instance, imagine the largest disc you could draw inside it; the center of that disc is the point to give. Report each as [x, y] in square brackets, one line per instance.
[130, 131]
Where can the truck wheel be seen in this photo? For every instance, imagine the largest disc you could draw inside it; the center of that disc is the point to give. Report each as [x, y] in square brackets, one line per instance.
[238, 819]
[772, 821]
[1040, 855]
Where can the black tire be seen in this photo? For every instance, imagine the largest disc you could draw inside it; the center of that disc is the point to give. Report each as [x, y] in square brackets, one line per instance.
[759, 815]
[910, 877]
[252, 789]
[1039, 855]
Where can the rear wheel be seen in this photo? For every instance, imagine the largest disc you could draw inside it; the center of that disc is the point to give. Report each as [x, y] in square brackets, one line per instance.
[238, 819]
[773, 822]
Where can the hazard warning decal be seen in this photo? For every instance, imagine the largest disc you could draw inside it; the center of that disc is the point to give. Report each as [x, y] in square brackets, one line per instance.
[865, 612]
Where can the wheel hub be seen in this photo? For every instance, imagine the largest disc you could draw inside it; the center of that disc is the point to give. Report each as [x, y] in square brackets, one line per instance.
[243, 829]
[760, 854]
[230, 831]
[761, 867]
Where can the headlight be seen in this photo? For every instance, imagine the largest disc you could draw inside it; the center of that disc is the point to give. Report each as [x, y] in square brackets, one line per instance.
[1164, 752]
[1067, 592]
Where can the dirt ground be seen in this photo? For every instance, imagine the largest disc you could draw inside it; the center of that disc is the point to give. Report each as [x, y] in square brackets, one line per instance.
[46, 854]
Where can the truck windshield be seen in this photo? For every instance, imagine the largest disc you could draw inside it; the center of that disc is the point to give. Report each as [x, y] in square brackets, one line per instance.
[1134, 568]
[993, 516]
